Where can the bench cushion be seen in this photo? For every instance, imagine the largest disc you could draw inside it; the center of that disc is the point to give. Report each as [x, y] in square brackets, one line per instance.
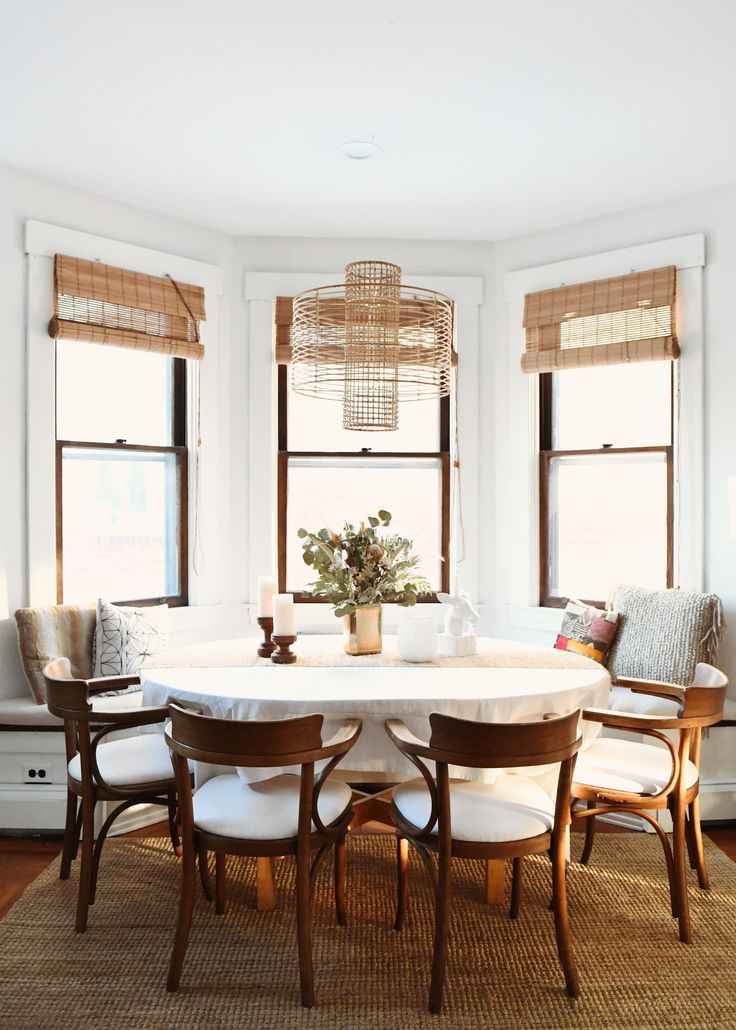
[23, 712]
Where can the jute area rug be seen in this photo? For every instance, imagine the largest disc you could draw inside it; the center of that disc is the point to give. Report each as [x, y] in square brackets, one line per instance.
[241, 968]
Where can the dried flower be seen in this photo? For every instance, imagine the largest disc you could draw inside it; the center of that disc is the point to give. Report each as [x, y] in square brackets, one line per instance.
[358, 567]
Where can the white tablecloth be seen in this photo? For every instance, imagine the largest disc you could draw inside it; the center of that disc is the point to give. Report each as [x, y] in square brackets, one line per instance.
[373, 695]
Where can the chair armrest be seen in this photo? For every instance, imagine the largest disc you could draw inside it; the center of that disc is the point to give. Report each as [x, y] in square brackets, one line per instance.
[104, 683]
[132, 717]
[402, 736]
[348, 731]
[630, 720]
[657, 688]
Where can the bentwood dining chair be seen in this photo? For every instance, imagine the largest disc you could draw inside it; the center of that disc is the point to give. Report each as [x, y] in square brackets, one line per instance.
[623, 775]
[285, 814]
[129, 771]
[510, 818]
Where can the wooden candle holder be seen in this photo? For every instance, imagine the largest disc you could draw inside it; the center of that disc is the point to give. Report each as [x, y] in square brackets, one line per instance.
[267, 647]
[283, 655]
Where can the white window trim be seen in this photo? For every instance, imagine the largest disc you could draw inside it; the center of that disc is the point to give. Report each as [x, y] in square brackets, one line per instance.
[518, 539]
[261, 288]
[42, 241]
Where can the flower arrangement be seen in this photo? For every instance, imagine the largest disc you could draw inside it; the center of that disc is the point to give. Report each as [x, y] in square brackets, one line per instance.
[359, 567]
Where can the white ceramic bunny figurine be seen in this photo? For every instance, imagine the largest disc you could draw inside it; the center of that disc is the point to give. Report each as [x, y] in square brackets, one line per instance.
[458, 638]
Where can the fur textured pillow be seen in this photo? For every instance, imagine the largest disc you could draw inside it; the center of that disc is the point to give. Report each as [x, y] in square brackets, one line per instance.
[59, 631]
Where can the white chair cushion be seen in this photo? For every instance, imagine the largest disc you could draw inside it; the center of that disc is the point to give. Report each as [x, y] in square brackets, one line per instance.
[144, 758]
[621, 699]
[512, 808]
[627, 765]
[264, 810]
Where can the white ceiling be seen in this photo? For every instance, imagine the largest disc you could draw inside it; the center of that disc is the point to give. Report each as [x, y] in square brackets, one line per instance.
[494, 118]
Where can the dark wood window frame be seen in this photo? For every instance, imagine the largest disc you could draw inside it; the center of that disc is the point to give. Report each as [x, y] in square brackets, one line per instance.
[177, 448]
[547, 453]
[284, 454]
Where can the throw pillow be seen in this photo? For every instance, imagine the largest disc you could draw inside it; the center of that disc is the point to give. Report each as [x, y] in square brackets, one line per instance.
[587, 630]
[664, 633]
[126, 637]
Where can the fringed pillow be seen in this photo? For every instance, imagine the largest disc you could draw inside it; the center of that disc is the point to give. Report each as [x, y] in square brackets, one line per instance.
[663, 634]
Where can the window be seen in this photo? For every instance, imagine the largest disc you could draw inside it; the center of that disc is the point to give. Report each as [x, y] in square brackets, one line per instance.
[121, 475]
[606, 479]
[327, 474]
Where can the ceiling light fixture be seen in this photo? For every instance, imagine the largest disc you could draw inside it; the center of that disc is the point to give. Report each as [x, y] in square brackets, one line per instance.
[371, 342]
[359, 149]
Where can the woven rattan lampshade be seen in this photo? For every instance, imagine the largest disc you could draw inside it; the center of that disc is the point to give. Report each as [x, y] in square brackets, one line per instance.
[371, 343]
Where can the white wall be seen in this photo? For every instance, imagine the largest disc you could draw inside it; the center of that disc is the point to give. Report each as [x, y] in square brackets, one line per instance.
[713, 213]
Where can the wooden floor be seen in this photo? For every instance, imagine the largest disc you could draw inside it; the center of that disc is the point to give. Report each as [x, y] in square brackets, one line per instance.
[22, 859]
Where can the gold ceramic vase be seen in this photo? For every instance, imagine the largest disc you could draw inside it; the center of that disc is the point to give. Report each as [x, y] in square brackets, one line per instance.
[363, 630]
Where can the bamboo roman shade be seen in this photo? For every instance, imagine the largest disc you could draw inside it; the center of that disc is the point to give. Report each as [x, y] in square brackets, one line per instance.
[114, 306]
[605, 322]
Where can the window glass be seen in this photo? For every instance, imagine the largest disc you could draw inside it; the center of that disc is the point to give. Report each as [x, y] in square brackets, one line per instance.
[326, 492]
[620, 405]
[119, 524]
[316, 425]
[108, 393]
[607, 523]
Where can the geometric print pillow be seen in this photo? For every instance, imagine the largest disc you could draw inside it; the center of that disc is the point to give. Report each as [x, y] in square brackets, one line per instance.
[126, 637]
[587, 630]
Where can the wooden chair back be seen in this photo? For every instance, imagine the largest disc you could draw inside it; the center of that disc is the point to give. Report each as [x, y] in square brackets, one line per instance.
[703, 706]
[502, 745]
[66, 696]
[202, 738]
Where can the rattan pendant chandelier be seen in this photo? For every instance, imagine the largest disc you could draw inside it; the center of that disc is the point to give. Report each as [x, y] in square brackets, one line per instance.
[371, 342]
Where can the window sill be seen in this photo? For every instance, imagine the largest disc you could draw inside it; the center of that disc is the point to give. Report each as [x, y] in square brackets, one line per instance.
[543, 620]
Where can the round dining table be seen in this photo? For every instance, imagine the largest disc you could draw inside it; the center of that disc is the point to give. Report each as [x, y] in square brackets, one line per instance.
[502, 683]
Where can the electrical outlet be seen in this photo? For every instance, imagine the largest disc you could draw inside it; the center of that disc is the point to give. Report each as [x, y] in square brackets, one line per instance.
[36, 774]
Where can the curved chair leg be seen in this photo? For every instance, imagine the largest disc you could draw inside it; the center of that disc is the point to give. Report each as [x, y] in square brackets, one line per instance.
[70, 836]
[85, 877]
[562, 921]
[679, 848]
[304, 926]
[441, 930]
[339, 873]
[589, 835]
[402, 880]
[204, 873]
[220, 882]
[516, 880]
[101, 837]
[696, 837]
[184, 921]
[173, 811]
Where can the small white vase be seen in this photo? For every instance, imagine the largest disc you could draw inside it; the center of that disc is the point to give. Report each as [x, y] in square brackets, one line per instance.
[417, 634]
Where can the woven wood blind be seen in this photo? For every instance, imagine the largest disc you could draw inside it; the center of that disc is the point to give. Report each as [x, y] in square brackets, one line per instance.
[605, 322]
[113, 306]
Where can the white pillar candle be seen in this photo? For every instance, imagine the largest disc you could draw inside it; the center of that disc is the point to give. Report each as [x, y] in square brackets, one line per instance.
[283, 615]
[267, 587]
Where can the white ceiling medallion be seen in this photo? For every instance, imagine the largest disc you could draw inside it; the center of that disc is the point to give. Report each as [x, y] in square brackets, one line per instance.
[359, 149]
